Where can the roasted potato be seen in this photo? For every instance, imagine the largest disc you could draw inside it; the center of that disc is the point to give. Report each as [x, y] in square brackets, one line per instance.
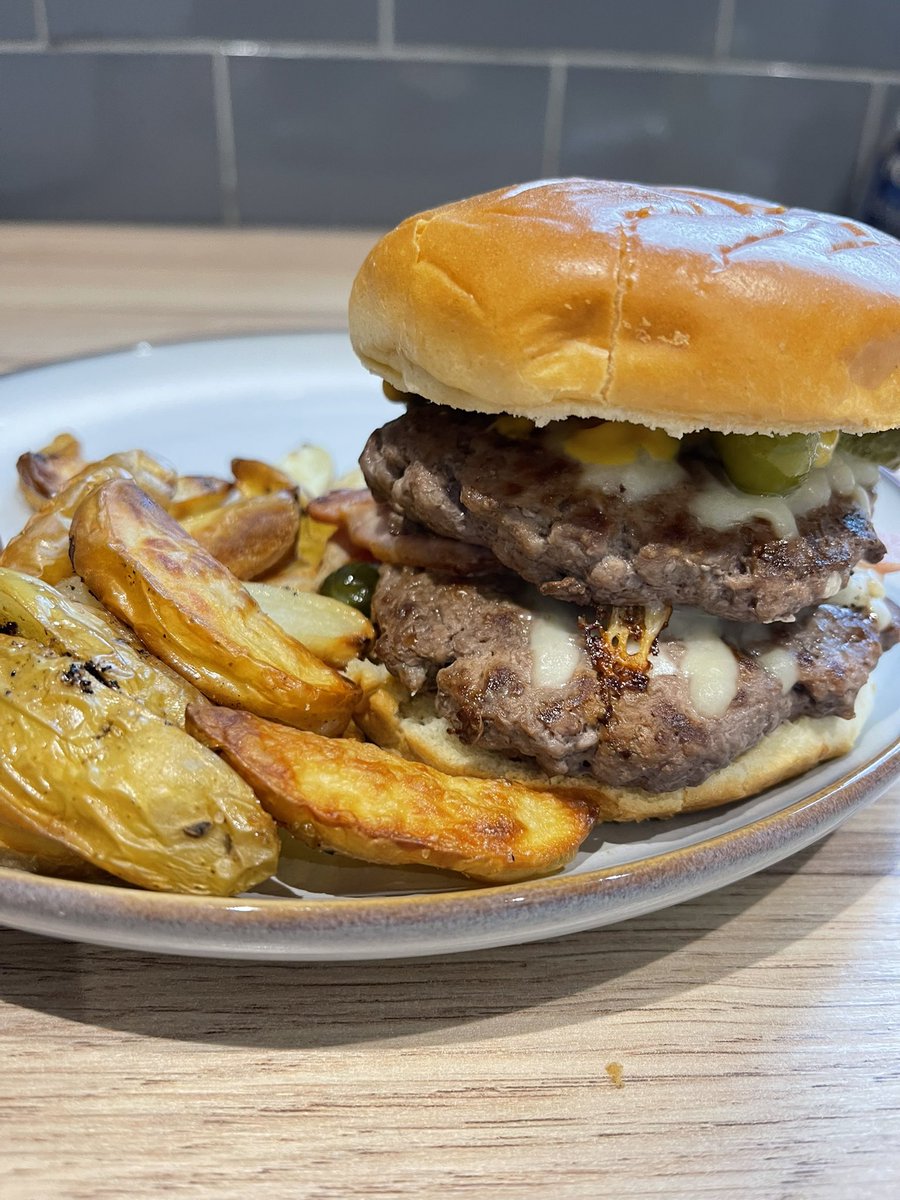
[32, 609]
[196, 494]
[251, 535]
[311, 469]
[195, 615]
[42, 548]
[85, 765]
[45, 472]
[333, 631]
[42, 855]
[255, 478]
[74, 588]
[317, 553]
[360, 800]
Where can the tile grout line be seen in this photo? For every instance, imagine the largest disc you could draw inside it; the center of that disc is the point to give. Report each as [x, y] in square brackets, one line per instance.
[386, 23]
[225, 143]
[868, 142]
[553, 117]
[724, 29]
[41, 25]
[366, 51]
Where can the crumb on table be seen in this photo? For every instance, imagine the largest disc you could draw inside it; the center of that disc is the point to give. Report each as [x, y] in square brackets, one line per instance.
[614, 1071]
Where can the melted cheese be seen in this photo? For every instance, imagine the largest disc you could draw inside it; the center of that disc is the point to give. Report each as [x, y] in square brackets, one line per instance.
[865, 591]
[638, 465]
[556, 643]
[616, 443]
[782, 665]
[633, 481]
[721, 506]
[707, 662]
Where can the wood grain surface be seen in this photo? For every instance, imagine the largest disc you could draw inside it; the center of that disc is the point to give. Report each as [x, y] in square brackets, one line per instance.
[757, 1028]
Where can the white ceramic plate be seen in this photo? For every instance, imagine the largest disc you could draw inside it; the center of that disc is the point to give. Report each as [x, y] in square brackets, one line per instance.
[199, 404]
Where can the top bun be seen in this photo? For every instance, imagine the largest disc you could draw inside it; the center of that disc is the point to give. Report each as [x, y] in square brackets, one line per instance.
[670, 307]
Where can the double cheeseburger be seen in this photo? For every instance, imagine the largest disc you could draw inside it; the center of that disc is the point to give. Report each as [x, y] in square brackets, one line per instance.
[626, 514]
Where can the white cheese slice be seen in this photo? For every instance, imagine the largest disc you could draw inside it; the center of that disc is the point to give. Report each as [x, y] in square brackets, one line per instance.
[557, 647]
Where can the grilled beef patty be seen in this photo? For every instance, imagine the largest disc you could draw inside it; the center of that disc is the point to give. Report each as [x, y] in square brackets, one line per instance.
[471, 644]
[592, 537]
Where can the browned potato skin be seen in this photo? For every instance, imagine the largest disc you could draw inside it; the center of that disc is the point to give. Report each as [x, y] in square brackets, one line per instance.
[45, 472]
[193, 613]
[65, 626]
[42, 548]
[250, 536]
[255, 478]
[28, 851]
[85, 765]
[355, 798]
[196, 494]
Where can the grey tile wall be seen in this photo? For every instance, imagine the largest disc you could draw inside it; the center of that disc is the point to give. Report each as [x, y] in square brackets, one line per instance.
[327, 141]
[356, 112]
[855, 33]
[683, 27]
[108, 136]
[740, 133]
[17, 21]
[245, 20]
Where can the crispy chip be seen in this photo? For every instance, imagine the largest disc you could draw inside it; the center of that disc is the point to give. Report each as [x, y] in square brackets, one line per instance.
[360, 800]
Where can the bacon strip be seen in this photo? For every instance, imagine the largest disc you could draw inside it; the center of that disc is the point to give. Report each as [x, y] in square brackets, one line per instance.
[368, 525]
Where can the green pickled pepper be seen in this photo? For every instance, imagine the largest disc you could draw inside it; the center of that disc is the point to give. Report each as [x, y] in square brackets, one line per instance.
[764, 465]
[352, 584]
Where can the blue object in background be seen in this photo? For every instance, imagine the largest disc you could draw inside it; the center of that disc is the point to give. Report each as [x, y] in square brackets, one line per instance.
[881, 205]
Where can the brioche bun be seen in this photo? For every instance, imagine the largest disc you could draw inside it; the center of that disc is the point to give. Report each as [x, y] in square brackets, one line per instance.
[674, 308]
[409, 726]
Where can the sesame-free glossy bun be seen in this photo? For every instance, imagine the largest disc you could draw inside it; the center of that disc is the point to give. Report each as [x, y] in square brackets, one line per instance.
[670, 307]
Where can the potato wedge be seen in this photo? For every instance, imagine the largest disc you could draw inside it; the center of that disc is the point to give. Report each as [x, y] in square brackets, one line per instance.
[42, 547]
[196, 494]
[42, 855]
[74, 588]
[255, 478]
[87, 766]
[154, 477]
[312, 470]
[249, 536]
[195, 615]
[334, 632]
[32, 609]
[45, 472]
[360, 800]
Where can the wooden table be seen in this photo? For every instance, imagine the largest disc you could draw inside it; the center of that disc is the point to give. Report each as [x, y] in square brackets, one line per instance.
[757, 1028]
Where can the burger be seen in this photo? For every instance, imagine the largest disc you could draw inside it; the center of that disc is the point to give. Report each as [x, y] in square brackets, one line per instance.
[625, 516]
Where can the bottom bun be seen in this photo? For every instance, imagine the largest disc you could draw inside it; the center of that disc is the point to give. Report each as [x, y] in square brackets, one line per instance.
[409, 726]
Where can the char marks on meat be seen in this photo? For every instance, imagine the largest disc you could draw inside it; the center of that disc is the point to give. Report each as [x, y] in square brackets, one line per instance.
[530, 505]
[469, 644]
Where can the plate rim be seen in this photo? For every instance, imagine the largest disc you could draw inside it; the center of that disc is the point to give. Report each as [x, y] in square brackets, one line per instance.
[716, 860]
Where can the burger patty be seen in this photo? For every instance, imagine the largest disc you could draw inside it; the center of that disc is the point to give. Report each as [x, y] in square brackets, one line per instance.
[548, 519]
[471, 644]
